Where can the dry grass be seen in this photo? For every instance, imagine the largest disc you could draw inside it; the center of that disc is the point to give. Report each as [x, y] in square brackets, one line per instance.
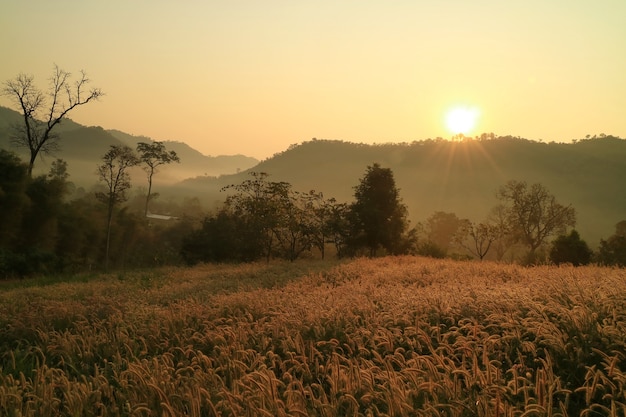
[397, 336]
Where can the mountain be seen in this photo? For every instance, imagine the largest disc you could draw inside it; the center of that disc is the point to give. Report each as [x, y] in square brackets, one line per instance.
[433, 175]
[459, 177]
[83, 147]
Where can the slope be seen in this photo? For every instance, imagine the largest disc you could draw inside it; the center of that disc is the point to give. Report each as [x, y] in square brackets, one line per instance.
[459, 177]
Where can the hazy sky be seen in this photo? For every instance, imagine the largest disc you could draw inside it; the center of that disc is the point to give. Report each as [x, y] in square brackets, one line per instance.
[253, 77]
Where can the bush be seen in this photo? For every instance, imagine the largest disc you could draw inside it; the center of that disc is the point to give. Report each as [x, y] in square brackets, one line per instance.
[28, 263]
[570, 249]
[431, 250]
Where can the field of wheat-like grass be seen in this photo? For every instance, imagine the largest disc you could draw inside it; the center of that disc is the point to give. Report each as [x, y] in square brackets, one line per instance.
[397, 336]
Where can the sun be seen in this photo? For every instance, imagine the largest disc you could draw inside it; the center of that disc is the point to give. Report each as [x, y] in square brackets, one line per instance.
[461, 120]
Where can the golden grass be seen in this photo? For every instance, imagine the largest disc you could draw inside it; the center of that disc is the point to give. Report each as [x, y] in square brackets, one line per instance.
[397, 336]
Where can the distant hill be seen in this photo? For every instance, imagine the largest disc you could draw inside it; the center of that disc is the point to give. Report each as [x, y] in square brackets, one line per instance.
[459, 177]
[433, 175]
[83, 147]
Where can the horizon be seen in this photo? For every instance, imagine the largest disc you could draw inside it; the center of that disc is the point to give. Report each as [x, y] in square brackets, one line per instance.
[253, 79]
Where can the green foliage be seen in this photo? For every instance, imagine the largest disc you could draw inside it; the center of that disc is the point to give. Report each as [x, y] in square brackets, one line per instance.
[570, 249]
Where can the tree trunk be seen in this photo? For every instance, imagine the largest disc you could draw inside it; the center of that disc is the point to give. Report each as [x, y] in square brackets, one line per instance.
[109, 221]
[149, 192]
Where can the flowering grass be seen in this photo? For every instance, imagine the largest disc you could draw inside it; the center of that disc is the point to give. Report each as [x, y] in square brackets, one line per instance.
[396, 336]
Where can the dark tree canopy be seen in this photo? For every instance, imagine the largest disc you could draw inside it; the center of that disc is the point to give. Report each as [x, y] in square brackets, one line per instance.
[570, 249]
[13, 200]
[261, 219]
[378, 216]
[613, 250]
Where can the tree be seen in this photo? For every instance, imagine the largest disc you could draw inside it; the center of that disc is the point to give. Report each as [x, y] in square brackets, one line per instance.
[378, 216]
[221, 238]
[113, 172]
[46, 195]
[570, 249]
[337, 226]
[43, 111]
[442, 229]
[534, 214]
[482, 236]
[613, 250]
[498, 219]
[260, 203]
[13, 199]
[153, 155]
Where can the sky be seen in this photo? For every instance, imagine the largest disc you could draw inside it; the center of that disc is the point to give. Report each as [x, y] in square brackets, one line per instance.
[253, 77]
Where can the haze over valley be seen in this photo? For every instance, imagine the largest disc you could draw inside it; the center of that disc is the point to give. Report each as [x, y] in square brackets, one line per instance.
[459, 177]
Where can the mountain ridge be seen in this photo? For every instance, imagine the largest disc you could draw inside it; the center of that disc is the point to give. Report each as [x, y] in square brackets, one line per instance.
[433, 174]
[461, 177]
[82, 147]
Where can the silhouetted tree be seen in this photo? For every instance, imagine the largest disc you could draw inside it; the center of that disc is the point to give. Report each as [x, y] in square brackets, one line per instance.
[261, 204]
[223, 237]
[13, 183]
[378, 216]
[534, 214]
[481, 237]
[613, 250]
[114, 173]
[42, 110]
[80, 234]
[498, 219]
[153, 155]
[46, 195]
[570, 249]
[337, 226]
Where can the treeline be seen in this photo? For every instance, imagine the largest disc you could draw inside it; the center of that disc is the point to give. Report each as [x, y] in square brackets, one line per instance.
[44, 231]
[45, 228]
[263, 219]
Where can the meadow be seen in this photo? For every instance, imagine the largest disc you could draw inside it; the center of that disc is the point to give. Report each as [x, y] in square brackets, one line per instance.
[395, 336]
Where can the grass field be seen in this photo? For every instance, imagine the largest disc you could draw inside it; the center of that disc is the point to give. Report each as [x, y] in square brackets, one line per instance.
[397, 336]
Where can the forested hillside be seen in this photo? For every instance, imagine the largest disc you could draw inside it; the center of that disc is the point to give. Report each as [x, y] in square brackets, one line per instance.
[83, 147]
[459, 177]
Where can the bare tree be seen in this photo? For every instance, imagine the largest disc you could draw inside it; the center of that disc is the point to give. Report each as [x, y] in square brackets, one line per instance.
[534, 214]
[481, 237]
[42, 110]
[152, 155]
[113, 172]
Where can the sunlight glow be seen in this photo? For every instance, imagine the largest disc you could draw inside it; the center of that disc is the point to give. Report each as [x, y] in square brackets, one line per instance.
[461, 120]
